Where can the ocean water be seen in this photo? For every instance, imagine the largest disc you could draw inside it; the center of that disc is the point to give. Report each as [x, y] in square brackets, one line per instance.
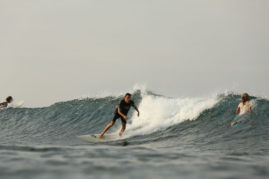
[173, 138]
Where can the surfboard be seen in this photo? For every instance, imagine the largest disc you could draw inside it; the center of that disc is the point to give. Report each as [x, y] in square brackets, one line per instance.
[237, 118]
[94, 137]
[19, 104]
[16, 105]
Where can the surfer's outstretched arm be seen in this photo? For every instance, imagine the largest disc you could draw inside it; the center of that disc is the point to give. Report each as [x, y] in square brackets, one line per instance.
[138, 113]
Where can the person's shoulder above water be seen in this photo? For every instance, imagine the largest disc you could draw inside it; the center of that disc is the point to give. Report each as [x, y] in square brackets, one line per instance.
[248, 104]
[9, 99]
[122, 102]
[3, 104]
[132, 103]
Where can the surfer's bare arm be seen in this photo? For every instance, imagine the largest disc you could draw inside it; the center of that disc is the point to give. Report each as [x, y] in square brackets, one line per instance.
[237, 110]
[125, 117]
[250, 109]
[136, 110]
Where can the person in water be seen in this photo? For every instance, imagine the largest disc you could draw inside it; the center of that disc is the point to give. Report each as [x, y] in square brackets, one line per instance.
[9, 99]
[243, 107]
[121, 112]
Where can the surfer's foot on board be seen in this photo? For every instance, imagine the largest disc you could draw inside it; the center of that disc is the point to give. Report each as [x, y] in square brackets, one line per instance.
[232, 123]
[100, 136]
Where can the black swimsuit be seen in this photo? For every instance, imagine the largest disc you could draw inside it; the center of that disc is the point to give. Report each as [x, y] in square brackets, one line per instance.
[124, 108]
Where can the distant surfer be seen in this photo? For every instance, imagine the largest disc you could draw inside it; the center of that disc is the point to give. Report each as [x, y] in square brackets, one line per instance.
[121, 112]
[9, 99]
[242, 108]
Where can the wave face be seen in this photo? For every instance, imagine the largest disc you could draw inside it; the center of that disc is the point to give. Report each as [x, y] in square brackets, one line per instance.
[196, 121]
[173, 138]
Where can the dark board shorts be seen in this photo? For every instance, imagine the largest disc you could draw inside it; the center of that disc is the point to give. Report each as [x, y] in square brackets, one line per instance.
[117, 116]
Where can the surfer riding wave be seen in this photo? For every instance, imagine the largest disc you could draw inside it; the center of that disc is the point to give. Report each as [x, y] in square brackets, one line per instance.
[121, 112]
[243, 108]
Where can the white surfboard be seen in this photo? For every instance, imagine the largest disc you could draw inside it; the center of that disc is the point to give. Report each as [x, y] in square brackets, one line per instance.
[19, 104]
[16, 105]
[94, 137]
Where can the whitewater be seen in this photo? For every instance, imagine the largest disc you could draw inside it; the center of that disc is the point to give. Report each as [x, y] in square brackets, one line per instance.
[183, 137]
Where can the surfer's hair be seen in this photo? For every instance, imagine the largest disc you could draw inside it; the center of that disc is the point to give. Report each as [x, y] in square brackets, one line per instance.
[9, 99]
[245, 97]
[128, 94]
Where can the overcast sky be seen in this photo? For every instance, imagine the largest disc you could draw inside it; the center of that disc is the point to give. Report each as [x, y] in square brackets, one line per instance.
[54, 50]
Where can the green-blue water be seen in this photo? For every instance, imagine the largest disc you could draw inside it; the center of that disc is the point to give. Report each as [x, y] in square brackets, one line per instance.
[173, 137]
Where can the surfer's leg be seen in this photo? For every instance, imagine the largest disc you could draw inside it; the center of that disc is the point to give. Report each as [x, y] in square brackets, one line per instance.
[123, 124]
[106, 129]
[116, 116]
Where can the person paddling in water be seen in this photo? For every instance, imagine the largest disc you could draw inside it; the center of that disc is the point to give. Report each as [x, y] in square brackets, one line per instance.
[121, 112]
[242, 108]
[9, 99]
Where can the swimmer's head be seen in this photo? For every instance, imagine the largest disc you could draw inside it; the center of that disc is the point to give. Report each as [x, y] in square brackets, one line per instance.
[9, 99]
[245, 97]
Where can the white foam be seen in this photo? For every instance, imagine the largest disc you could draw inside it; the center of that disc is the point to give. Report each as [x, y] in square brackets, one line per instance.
[16, 104]
[158, 112]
